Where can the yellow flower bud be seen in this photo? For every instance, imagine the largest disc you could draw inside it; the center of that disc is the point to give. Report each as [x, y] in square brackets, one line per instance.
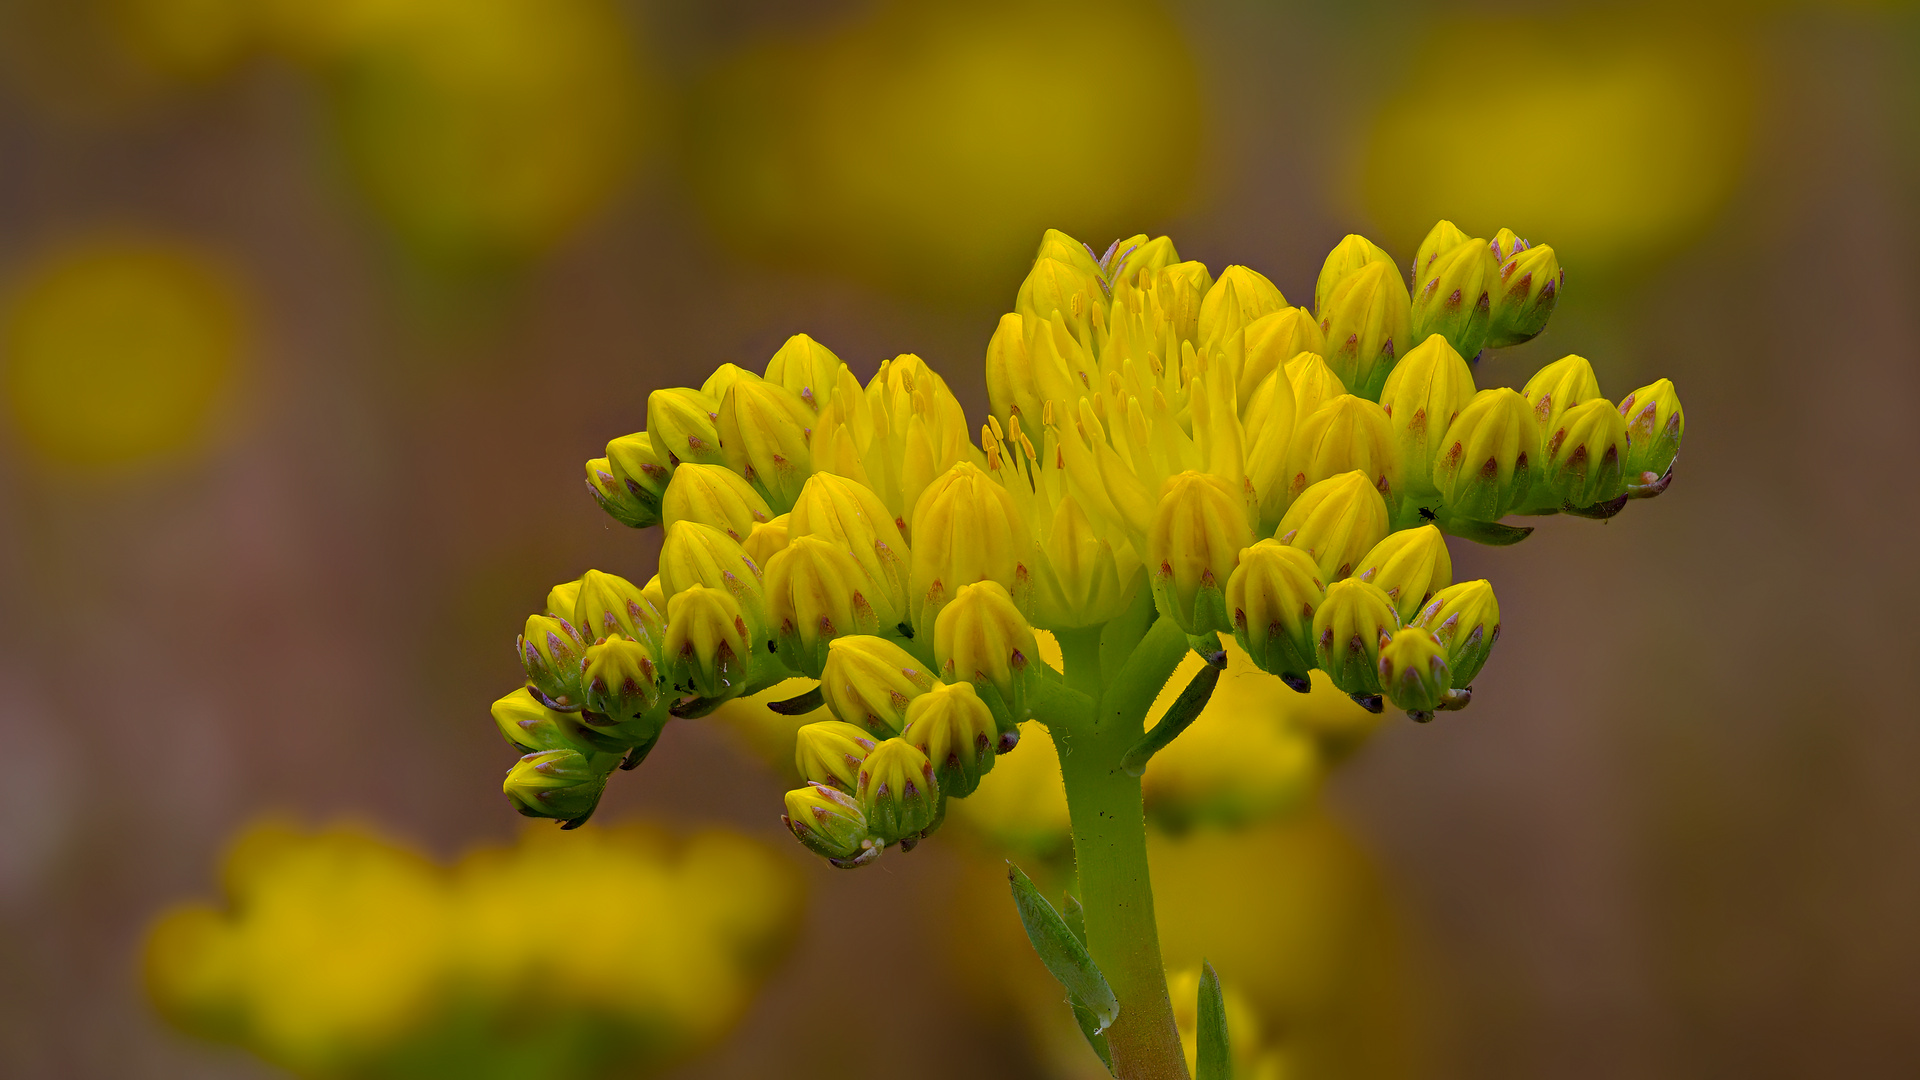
[1506, 244]
[1272, 596]
[982, 639]
[1443, 237]
[1655, 423]
[1348, 630]
[531, 727]
[1138, 255]
[1010, 386]
[722, 380]
[870, 681]
[621, 680]
[680, 426]
[1348, 257]
[1466, 619]
[957, 733]
[766, 538]
[966, 528]
[1238, 297]
[1558, 387]
[1484, 465]
[898, 793]
[1347, 434]
[1410, 565]
[696, 554]
[551, 650]
[1272, 340]
[807, 368]
[1198, 529]
[1365, 320]
[764, 428]
[1314, 383]
[563, 599]
[1055, 244]
[1586, 455]
[1082, 578]
[713, 495]
[830, 824]
[606, 605]
[1414, 673]
[1337, 521]
[1453, 296]
[1066, 287]
[830, 752]
[1427, 390]
[558, 784]
[1524, 294]
[847, 513]
[816, 592]
[630, 480]
[707, 647]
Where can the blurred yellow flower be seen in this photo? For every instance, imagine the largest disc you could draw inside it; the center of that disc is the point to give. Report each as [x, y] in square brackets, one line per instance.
[121, 350]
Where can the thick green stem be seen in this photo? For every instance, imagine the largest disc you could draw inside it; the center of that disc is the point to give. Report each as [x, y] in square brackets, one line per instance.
[1110, 849]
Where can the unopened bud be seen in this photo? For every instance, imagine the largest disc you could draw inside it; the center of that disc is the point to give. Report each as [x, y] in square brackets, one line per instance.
[870, 681]
[1452, 296]
[696, 554]
[898, 792]
[1010, 386]
[966, 528]
[1082, 581]
[713, 495]
[957, 733]
[816, 592]
[561, 784]
[807, 368]
[764, 428]
[766, 538]
[982, 639]
[1348, 630]
[1271, 341]
[1054, 285]
[849, 514]
[608, 605]
[1414, 673]
[1138, 254]
[1314, 383]
[1348, 257]
[1366, 322]
[628, 482]
[1443, 237]
[707, 648]
[1410, 565]
[1655, 424]
[1427, 390]
[552, 651]
[563, 600]
[1524, 295]
[1336, 521]
[1586, 454]
[830, 824]
[680, 427]
[1238, 297]
[1558, 387]
[1347, 434]
[621, 679]
[1272, 596]
[830, 752]
[1466, 619]
[1198, 529]
[531, 727]
[1484, 466]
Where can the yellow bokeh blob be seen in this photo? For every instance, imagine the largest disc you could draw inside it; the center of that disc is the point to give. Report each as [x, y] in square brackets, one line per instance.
[117, 352]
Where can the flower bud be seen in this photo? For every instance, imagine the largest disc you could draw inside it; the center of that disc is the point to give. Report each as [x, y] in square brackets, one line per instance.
[1238, 297]
[766, 538]
[563, 600]
[1336, 521]
[1010, 385]
[1347, 434]
[830, 752]
[680, 426]
[628, 482]
[621, 680]
[870, 681]
[1138, 254]
[713, 495]
[558, 784]
[696, 554]
[1466, 619]
[982, 639]
[1524, 295]
[852, 516]
[1427, 390]
[966, 528]
[1365, 319]
[957, 733]
[764, 429]
[1506, 244]
[1452, 297]
[1586, 455]
[552, 651]
[607, 605]
[1443, 237]
[1272, 596]
[1348, 630]
[722, 380]
[830, 824]
[1314, 383]
[1410, 566]
[1054, 285]
[1271, 341]
[707, 647]
[1348, 257]
[807, 368]
[1484, 465]
[1195, 538]
[1414, 673]
[532, 727]
[816, 593]
[1083, 579]
[1655, 424]
[1558, 387]
[898, 792]
[1055, 244]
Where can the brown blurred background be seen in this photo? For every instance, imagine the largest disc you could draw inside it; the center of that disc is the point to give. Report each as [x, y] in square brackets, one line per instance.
[312, 312]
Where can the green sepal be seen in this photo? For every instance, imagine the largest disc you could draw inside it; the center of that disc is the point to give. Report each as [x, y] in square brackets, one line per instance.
[1215, 1059]
[1490, 533]
[1062, 953]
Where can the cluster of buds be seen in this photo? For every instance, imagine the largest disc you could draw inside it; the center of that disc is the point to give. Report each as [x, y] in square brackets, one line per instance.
[1158, 434]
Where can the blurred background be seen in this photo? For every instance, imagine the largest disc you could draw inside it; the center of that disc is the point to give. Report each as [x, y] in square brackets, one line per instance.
[310, 312]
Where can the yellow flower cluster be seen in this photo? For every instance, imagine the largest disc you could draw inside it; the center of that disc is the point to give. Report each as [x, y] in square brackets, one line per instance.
[1163, 443]
[339, 953]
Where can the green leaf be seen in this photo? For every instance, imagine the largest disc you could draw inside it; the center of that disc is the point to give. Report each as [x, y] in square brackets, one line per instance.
[1061, 952]
[1216, 1057]
[1076, 918]
[799, 706]
[1090, 1027]
[1179, 716]
[1490, 533]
